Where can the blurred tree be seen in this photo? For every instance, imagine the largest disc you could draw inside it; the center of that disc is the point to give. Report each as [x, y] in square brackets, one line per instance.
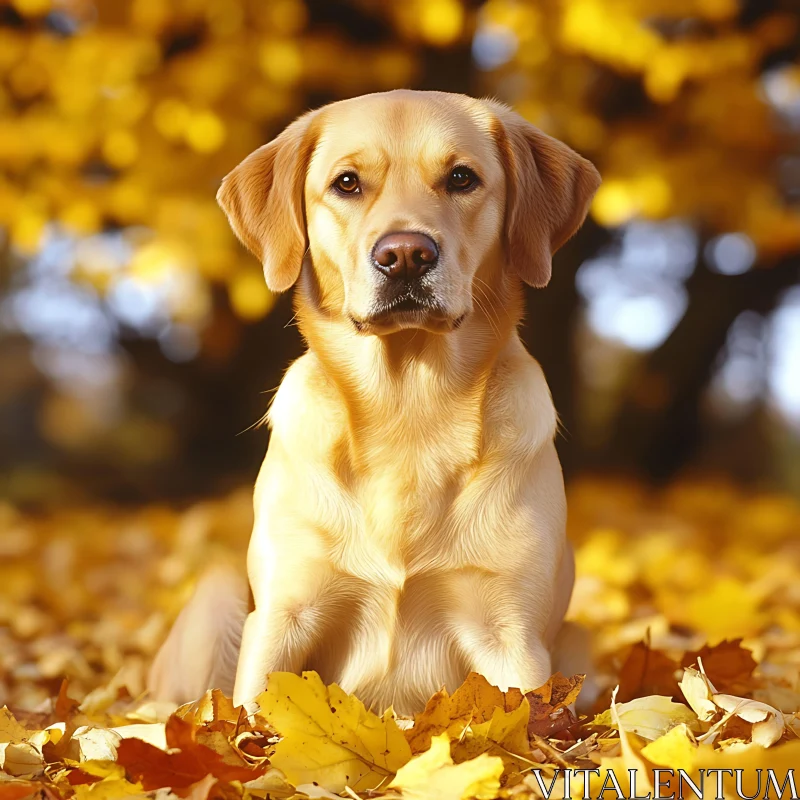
[123, 115]
[690, 108]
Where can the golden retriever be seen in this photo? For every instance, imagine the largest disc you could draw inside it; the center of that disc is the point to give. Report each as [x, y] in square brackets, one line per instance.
[410, 511]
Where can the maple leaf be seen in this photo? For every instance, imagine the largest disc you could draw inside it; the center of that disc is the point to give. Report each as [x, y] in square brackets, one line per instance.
[647, 671]
[328, 737]
[729, 666]
[475, 703]
[478, 718]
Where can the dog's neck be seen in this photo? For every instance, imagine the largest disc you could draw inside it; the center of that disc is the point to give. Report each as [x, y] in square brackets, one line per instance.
[413, 380]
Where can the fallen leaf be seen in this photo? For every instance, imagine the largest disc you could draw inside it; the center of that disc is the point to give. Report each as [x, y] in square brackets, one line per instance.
[93, 744]
[154, 733]
[724, 609]
[698, 692]
[631, 752]
[14, 789]
[273, 783]
[154, 768]
[10, 729]
[728, 665]
[550, 705]
[434, 776]
[649, 717]
[108, 790]
[21, 759]
[767, 721]
[328, 736]
[647, 672]
[677, 749]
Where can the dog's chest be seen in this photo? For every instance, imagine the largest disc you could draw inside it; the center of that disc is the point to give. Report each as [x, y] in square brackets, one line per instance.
[403, 501]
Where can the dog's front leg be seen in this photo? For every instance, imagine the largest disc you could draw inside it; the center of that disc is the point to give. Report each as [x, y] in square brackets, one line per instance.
[264, 649]
[498, 635]
[289, 585]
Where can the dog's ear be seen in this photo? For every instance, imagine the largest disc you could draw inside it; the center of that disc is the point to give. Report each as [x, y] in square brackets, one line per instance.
[549, 190]
[263, 200]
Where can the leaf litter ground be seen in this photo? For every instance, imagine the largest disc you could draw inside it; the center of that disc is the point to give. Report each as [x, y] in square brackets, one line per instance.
[692, 595]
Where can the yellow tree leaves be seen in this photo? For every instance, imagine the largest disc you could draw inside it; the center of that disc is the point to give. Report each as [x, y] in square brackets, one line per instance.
[129, 114]
[698, 132]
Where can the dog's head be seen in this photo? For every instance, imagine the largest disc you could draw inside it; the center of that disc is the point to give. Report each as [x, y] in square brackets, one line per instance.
[404, 201]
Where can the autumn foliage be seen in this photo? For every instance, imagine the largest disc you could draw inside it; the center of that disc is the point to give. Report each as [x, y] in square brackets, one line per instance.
[695, 650]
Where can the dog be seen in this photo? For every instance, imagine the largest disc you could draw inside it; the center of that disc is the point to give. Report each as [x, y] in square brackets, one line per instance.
[410, 511]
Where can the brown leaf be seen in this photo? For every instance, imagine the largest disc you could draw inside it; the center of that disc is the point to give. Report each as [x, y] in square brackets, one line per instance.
[647, 671]
[729, 666]
[65, 707]
[549, 705]
[155, 768]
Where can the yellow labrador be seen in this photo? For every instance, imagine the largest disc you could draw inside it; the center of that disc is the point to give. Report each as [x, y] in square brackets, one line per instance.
[410, 512]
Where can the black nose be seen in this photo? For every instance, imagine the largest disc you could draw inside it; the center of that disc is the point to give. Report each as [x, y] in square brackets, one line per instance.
[405, 255]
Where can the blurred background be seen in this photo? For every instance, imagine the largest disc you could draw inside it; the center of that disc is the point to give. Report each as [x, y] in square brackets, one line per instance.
[139, 343]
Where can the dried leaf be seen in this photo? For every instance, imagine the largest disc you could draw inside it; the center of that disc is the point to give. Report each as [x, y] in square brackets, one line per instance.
[328, 736]
[649, 717]
[767, 721]
[434, 776]
[728, 665]
[677, 749]
[550, 712]
[698, 692]
[155, 768]
[646, 672]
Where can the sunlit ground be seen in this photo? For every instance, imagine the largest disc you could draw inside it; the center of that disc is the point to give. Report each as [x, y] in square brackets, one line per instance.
[699, 575]
[88, 594]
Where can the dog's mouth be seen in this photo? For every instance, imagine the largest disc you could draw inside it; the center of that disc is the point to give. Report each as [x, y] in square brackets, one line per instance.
[409, 310]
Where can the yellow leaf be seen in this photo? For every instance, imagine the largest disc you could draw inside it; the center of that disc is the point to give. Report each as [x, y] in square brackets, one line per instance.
[328, 736]
[753, 761]
[726, 609]
[480, 709]
[434, 776]
[698, 691]
[273, 782]
[649, 717]
[10, 729]
[435, 719]
[676, 749]
[94, 744]
[100, 769]
[631, 758]
[508, 730]
[152, 711]
[108, 790]
[20, 759]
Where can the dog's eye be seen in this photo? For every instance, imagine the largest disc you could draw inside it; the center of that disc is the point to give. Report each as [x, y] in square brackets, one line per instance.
[347, 183]
[461, 179]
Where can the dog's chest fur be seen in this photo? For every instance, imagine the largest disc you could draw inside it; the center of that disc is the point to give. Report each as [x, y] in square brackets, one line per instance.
[393, 513]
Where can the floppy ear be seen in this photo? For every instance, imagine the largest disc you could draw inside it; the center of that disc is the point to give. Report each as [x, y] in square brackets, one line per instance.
[263, 199]
[549, 190]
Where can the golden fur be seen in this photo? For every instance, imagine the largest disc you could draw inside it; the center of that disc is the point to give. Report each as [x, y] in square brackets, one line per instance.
[410, 512]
